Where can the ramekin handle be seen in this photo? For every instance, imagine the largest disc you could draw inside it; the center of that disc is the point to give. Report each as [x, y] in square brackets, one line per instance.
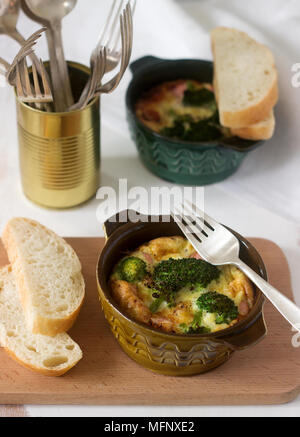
[250, 336]
[142, 62]
[121, 219]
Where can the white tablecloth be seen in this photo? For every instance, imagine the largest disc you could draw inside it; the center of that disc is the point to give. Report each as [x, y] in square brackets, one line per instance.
[261, 200]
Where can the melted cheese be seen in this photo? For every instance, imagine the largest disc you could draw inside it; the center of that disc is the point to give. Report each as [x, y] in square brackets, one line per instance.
[231, 282]
[168, 106]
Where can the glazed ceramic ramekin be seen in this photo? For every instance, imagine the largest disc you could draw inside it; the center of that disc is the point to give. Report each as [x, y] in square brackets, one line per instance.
[177, 161]
[172, 354]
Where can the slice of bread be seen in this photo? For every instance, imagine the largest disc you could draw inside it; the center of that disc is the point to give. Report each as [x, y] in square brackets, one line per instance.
[245, 78]
[52, 356]
[263, 130]
[48, 276]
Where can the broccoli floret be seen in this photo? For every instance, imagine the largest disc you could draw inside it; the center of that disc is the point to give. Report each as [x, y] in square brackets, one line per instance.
[203, 130]
[198, 97]
[175, 131]
[219, 304]
[194, 330]
[186, 129]
[132, 269]
[172, 275]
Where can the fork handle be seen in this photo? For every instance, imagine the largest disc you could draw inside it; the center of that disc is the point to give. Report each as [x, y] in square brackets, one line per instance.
[57, 86]
[284, 305]
[62, 64]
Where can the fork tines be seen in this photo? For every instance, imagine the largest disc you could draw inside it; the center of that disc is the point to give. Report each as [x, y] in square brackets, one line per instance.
[192, 217]
[126, 27]
[194, 224]
[39, 93]
[111, 32]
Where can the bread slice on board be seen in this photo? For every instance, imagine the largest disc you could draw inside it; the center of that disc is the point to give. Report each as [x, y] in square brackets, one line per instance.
[48, 276]
[263, 130]
[246, 78]
[52, 356]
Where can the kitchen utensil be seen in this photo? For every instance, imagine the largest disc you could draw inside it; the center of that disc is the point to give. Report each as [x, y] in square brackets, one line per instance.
[23, 84]
[51, 13]
[9, 14]
[97, 72]
[111, 26]
[55, 77]
[111, 35]
[126, 37]
[127, 40]
[218, 246]
[26, 50]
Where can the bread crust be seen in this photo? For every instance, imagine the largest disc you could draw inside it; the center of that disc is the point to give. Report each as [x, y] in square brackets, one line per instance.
[41, 324]
[252, 114]
[41, 371]
[14, 349]
[52, 327]
[259, 131]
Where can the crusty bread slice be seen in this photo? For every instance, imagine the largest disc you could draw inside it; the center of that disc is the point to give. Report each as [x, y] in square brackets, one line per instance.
[52, 356]
[263, 130]
[48, 276]
[246, 78]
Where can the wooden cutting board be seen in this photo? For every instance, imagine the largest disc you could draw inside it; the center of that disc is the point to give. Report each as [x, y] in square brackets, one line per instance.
[268, 373]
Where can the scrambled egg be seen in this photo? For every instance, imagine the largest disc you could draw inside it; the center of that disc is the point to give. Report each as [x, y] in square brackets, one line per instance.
[136, 299]
[159, 107]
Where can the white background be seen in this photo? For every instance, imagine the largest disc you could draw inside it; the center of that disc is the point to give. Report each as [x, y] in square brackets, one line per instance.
[233, 203]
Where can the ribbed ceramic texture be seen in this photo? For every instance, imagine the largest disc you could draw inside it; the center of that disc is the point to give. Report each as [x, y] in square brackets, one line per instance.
[60, 152]
[183, 165]
[180, 356]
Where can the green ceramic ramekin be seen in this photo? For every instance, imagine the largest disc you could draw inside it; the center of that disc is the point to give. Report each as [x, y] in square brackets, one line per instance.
[161, 352]
[180, 161]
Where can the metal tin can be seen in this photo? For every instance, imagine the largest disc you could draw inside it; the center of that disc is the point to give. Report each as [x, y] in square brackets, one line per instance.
[60, 152]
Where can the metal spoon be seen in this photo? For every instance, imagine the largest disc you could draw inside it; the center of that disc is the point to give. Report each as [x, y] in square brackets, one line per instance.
[9, 14]
[52, 12]
[55, 78]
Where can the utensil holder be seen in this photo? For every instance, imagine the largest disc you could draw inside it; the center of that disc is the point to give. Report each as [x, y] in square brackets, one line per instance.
[60, 152]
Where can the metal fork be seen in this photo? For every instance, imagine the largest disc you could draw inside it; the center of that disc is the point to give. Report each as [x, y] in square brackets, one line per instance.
[126, 28]
[23, 85]
[110, 41]
[98, 71]
[218, 246]
[111, 35]
[25, 50]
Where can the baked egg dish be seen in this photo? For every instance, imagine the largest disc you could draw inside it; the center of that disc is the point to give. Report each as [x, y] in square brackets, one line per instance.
[181, 109]
[166, 285]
